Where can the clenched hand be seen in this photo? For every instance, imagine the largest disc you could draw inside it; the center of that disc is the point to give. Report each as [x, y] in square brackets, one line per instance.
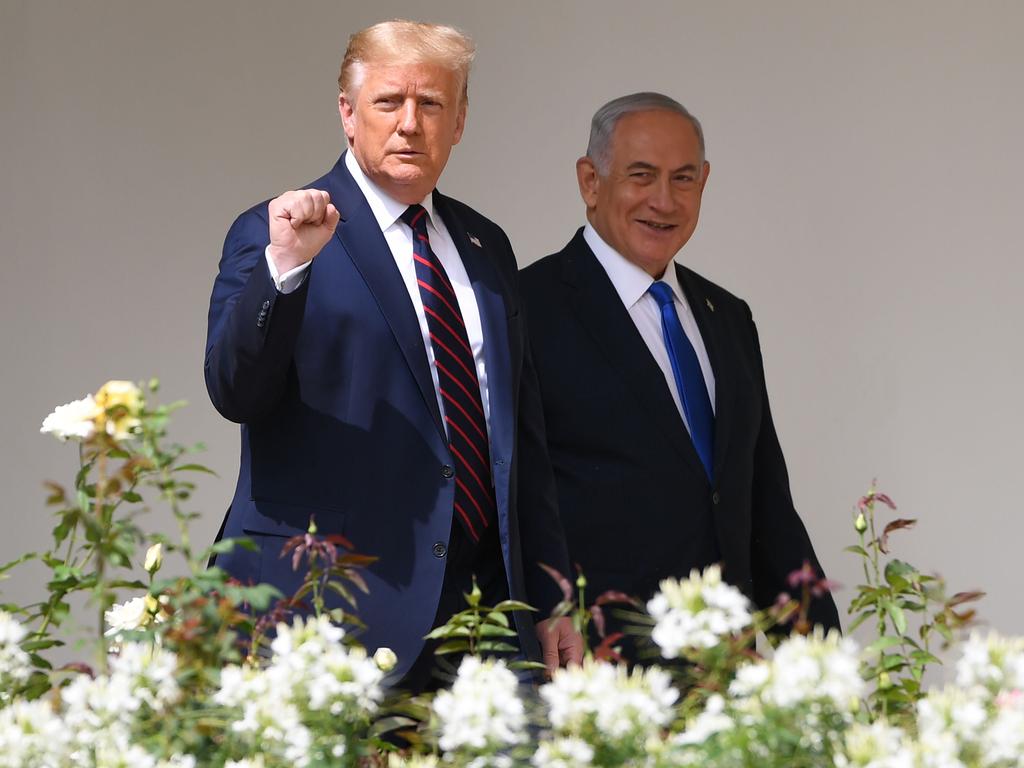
[301, 223]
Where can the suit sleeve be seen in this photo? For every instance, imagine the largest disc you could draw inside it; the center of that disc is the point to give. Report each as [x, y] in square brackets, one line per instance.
[252, 327]
[779, 542]
[541, 528]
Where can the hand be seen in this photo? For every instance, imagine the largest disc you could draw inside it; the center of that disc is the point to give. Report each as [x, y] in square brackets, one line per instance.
[560, 643]
[301, 223]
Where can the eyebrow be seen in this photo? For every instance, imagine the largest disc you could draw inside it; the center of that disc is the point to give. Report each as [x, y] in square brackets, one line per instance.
[643, 166]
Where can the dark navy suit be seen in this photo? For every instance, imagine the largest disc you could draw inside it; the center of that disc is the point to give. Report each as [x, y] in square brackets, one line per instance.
[635, 500]
[340, 418]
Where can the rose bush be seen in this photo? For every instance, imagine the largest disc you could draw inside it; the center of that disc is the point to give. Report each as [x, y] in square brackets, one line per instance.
[197, 670]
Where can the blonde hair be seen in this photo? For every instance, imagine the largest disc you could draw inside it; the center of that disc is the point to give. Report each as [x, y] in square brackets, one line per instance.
[407, 42]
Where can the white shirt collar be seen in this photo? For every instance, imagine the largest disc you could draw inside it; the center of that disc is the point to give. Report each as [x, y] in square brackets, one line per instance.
[385, 209]
[629, 280]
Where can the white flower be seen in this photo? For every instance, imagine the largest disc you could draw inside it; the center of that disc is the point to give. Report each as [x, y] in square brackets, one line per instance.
[619, 704]
[877, 745]
[256, 762]
[697, 612]
[482, 709]
[31, 734]
[992, 661]
[14, 662]
[385, 659]
[951, 713]
[154, 558]
[126, 616]
[805, 669]
[563, 753]
[1002, 742]
[76, 419]
[713, 719]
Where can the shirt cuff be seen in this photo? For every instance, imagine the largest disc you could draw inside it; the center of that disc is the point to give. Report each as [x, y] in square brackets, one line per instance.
[291, 279]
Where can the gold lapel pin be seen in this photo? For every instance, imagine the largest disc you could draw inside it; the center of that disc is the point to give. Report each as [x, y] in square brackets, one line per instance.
[710, 305]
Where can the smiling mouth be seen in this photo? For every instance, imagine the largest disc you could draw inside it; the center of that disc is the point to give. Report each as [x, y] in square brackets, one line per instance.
[657, 226]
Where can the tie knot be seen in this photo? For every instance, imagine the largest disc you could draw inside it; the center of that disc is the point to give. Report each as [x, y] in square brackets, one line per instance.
[416, 217]
[661, 293]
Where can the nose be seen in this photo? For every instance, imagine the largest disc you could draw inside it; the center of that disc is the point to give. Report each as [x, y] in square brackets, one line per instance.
[661, 198]
[409, 118]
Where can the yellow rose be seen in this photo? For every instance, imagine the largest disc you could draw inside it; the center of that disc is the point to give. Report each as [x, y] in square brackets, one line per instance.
[121, 402]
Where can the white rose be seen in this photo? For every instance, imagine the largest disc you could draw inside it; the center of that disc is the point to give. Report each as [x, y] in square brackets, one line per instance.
[128, 615]
[76, 419]
[154, 558]
[385, 659]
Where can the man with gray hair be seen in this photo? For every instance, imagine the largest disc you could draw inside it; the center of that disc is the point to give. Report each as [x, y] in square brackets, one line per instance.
[364, 331]
[658, 424]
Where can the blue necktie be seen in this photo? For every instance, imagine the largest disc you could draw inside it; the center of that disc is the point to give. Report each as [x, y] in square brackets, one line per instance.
[689, 378]
[457, 380]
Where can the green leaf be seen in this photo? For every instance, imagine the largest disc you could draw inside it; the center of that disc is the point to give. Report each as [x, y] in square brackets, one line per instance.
[523, 664]
[514, 605]
[856, 549]
[494, 617]
[452, 646]
[195, 468]
[388, 724]
[492, 630]
[899, 619]
[892, 661]
[858, 621]
[495, 646]
[882, 644]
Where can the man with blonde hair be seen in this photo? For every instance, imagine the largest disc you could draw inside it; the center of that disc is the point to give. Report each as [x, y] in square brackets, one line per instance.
[364, 331]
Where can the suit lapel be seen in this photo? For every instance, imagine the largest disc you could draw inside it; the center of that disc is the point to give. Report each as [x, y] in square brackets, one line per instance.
[599, 309]
[713, 334]
[360, 235]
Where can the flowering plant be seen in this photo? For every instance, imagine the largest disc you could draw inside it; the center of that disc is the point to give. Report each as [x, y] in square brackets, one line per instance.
[198, 670]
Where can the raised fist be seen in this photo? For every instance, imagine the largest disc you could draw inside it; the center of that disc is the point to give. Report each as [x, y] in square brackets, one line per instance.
[301, 223]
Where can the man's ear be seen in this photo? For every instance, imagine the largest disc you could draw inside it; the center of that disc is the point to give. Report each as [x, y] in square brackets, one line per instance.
[347, 110]
[589, 181]
[460, 123]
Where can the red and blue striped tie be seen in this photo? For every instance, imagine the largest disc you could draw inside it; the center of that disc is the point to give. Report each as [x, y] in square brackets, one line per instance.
[457, 380]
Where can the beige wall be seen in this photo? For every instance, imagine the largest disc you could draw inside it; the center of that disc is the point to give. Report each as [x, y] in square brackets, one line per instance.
[866, 195]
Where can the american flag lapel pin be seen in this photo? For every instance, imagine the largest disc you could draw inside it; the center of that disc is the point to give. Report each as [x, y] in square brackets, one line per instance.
[710, 305]
[474, 240]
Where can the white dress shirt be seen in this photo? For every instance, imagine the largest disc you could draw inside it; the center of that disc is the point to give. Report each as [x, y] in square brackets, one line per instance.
[631, 283]
[398, 235]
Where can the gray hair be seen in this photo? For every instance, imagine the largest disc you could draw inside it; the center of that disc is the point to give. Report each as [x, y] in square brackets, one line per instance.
[602, 127]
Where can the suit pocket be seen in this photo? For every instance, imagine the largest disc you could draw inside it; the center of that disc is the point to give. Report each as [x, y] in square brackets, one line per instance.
[287, 519]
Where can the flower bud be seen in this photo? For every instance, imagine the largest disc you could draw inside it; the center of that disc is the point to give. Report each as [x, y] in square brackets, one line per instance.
[385, 659]
[581, 581]
[154, 558]
[861, 523]
[884, 681]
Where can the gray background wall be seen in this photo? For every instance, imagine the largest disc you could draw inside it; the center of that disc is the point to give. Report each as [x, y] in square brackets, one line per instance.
[865, 197]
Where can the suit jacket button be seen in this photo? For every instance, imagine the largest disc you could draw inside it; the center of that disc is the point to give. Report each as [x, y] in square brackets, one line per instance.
[266, 304]
[259, 322]
[715, 498]
[439, 549]
[447, 472]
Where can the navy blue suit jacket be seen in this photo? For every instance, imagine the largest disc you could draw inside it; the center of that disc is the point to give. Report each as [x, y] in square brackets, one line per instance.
[339, 416]
[635, 500]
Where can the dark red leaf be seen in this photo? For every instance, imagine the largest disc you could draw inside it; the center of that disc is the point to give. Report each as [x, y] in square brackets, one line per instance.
[598, 617]
[338, 540]
[563, 583]
[613, 596]
[895, 525]
[605, 650]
